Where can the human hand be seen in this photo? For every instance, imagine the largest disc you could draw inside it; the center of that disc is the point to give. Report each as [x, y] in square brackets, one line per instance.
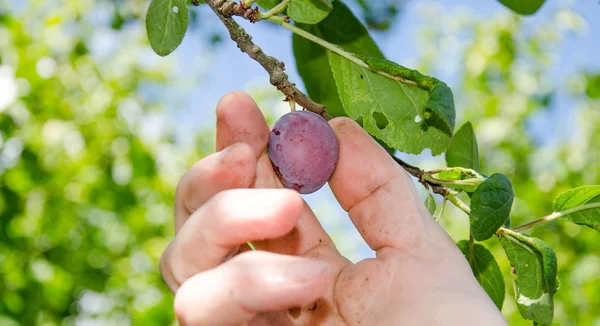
[297, 276]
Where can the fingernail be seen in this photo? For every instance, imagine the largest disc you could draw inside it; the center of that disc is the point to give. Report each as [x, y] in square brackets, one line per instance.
[305, 270]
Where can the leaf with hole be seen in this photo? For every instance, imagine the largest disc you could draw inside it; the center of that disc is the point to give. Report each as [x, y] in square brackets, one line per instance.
[366, 95]
[430, 203]
[490, 206]
[438, 111]
[463, 152]
[534, 263]
[580, 206]
[166, 24]
[486, 271]
[309, 11]
[523, 7]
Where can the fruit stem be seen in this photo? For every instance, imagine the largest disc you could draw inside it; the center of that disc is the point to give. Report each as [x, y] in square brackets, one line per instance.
[251, 245]
[334, 48]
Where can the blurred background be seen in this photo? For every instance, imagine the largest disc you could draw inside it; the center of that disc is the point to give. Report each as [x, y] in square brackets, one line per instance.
[96, 130]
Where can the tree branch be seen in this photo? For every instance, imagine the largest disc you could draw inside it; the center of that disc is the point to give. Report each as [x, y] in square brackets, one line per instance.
[224, 9]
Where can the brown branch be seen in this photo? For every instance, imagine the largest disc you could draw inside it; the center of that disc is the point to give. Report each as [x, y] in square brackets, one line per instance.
[224, 10]
[418, 173]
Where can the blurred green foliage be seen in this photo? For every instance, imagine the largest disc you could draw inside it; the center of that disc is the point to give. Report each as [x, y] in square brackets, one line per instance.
[87, 168]
[88, 165]
[506, 84]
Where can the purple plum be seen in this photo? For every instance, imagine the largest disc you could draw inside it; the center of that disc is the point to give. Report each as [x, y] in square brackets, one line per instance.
[303, 150]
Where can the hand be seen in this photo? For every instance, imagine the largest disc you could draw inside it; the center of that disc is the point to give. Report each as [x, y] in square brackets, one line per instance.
[298, 277]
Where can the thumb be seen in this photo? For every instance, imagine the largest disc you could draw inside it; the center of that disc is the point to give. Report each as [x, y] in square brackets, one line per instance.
[378, 194]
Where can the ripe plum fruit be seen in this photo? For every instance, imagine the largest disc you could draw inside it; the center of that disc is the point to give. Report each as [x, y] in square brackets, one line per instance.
[303, 150]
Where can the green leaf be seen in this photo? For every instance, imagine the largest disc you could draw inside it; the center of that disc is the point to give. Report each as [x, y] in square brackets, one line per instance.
[589, 215]
[523, 7]
[463, 152]
[366, 95]
[268, 4]
[534, 264]
[486, 271]
[309, 11]
[592, 88]
[439, 109]
[342, 28]
[430, 203]
[166, 24]
[490, 206]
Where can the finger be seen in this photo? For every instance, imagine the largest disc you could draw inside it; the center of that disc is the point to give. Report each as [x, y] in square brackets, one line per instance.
[254, 282]
[379, 195]
[233, 167]
[227, 220]
[240, 120]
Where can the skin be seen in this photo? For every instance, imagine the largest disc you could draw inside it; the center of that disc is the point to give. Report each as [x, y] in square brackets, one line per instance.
[298, 277]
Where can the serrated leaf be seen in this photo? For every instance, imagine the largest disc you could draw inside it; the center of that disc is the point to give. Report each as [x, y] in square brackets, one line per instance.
[490, 206]
[571, 206]
[341, 28]
[366, 95]
[309, 11]
[463, 152]
[430, 204]
[534, 263]
[523, 7]
[268, 4]
[438, 111]
[166, 24]
[486, 271]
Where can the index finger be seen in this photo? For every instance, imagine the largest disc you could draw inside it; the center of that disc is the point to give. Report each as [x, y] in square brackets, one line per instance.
[379, 196]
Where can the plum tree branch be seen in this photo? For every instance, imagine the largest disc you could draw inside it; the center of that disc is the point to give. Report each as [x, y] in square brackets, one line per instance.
[224, 9]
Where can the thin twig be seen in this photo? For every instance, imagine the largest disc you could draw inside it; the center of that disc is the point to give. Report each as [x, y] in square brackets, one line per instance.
[556, 215]
[224, 9]
[457, 202]
[336, 49]
[437, 218]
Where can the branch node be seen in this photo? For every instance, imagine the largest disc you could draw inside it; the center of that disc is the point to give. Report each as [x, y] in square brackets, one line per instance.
[255, 50]
[227, 8]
